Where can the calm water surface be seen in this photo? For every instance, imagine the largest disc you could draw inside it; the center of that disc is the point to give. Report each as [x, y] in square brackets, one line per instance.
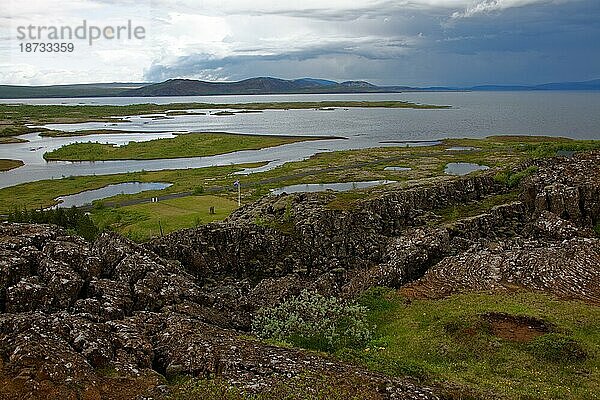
[473, 114]
[87, 197]
[462, 168]
[321, 187]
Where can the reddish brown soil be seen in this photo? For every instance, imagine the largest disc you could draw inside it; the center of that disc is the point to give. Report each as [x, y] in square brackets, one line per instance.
[106, 388]
[516, 328]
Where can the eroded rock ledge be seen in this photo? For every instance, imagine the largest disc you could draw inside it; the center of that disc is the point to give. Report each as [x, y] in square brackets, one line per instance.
[71, 310]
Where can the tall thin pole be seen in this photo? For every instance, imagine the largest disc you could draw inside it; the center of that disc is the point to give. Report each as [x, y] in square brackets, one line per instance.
[239, 195]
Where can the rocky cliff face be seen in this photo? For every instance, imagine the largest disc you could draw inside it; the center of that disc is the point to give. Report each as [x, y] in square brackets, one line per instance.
[554, 252]
[569, 189]
[70, 310]
[300, 234]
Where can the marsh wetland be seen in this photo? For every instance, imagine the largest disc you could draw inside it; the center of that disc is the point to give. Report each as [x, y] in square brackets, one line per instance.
[283, 146]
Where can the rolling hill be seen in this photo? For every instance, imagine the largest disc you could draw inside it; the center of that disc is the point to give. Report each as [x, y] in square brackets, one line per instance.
[260, 85]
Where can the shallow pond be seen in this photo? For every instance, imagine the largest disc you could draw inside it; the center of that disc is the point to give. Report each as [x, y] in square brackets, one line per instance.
[87, 197]
[460, 148]
[462, 168]
[321, 187]
[397, 169]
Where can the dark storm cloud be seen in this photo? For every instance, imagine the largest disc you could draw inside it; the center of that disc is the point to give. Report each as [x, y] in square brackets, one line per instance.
[545, 41]
[413, 42]
[417, 43]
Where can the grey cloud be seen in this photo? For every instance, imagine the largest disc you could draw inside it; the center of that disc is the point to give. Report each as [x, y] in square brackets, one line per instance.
[415, 42]
[529, 44]
[195, 65]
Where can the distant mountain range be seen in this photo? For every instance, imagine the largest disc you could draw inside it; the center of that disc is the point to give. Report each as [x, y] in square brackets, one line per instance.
[77, 90]
[188, 87]
[262, 85]
[587, 85]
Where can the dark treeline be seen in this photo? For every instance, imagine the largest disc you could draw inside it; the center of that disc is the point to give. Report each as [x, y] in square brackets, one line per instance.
[71, 218]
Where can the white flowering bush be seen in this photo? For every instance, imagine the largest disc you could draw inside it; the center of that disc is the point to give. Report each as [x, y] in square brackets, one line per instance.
[314, 321]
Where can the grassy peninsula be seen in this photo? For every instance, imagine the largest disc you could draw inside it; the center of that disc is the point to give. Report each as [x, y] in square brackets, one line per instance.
[88, 132]
[183, 145]
[11, 140]
[6, 165]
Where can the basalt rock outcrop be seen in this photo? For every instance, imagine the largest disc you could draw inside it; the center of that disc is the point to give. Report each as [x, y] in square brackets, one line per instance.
[555, 252]
[113, 319]
[568, 269]
[569, 188]
[300, 234]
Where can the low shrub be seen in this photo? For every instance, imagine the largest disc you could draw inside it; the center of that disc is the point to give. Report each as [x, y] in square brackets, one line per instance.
[513, 179]
[539, 150]
[72, 219]
[597, 229]
[314, 321]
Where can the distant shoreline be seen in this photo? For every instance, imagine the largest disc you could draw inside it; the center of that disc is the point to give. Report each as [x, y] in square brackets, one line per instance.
[257, 86]
[2, 98]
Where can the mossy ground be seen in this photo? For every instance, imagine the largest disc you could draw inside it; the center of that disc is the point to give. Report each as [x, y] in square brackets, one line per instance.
[448, 342]
[301, 387]
[452, 213]
[450, 345]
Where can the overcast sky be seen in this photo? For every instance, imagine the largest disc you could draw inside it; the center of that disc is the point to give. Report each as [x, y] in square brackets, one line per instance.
[404, 42]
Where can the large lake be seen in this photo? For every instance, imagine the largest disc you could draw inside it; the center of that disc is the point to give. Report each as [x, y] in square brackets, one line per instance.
[473, 114]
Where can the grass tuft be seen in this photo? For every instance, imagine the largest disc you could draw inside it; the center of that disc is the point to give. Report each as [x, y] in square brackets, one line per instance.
[558, 348]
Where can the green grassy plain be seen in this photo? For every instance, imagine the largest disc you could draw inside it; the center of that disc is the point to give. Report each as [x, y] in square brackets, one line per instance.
[142, 221]
[339, 166]
[426, 163]
[42, 193]
[449, 342]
